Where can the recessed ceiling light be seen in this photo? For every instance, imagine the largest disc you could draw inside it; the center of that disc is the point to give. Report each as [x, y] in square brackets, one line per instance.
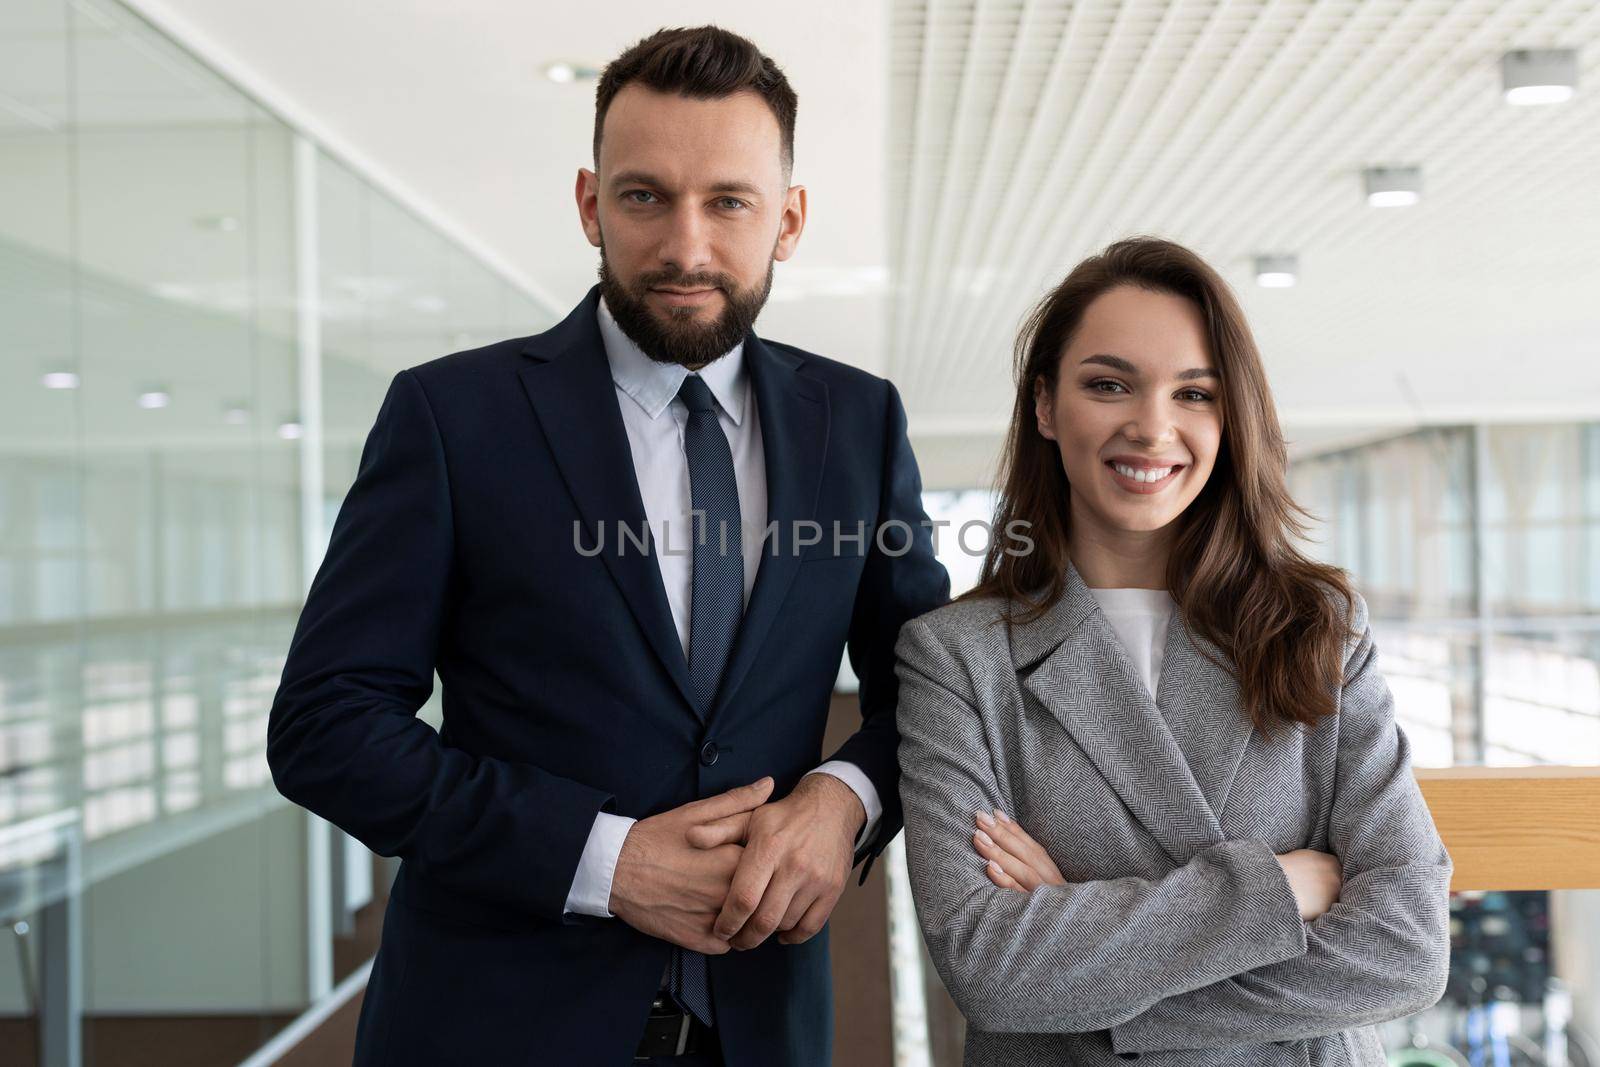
[236, 414]
[291, 431]
[1539, 75]
[1393, 186]
[154, 397]
[1277, 271]
[60, 379]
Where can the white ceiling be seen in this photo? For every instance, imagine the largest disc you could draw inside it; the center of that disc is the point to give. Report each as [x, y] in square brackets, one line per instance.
[1027, 135]
[962, 155]
[448, 101]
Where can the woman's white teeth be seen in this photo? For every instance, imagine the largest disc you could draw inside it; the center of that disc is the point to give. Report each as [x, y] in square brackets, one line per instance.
[1142, 474]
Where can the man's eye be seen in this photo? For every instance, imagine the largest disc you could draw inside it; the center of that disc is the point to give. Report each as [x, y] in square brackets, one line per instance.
[640, 196]
[732, 203]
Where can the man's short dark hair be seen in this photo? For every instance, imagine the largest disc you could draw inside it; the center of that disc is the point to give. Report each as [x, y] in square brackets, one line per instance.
[706, 63]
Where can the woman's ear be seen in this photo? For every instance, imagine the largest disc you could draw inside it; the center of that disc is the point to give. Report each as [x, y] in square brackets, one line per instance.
[1044, 408]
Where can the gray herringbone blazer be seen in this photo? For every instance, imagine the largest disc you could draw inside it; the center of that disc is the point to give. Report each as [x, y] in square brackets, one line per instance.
[1176, 937]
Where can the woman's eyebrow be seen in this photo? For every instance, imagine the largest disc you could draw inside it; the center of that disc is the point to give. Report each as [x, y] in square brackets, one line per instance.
[1127, 367]
[1115, 362]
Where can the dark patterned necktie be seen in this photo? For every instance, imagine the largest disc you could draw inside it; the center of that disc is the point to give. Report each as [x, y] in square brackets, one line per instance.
[716, 603]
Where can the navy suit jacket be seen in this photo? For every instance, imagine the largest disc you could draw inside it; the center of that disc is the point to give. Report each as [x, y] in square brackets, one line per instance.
[565, 690]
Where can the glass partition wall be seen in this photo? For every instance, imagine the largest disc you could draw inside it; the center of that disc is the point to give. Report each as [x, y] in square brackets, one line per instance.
[1478, 550]
[167, 413]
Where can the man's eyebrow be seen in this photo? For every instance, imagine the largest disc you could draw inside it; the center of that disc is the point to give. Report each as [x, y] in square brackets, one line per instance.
[636, 177]
[743, 188]
[1127, 367]
[729, 185]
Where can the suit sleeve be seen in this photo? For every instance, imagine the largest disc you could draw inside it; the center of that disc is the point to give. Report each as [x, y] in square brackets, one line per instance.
[343, 739]
[1071, 958]
[1382, 950]
[900, 580]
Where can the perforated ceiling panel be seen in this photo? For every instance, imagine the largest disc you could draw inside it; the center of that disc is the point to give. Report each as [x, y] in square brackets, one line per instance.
[1026, 135]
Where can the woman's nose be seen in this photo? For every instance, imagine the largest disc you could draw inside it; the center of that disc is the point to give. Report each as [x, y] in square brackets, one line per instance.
[1151, 423]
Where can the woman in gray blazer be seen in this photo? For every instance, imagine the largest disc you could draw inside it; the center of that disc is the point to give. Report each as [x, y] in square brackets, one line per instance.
[1207, 851]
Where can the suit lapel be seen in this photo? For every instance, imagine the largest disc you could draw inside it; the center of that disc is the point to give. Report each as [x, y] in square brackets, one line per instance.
[793, 412]
[1088, 683]
[568, 382]
[1199, 699]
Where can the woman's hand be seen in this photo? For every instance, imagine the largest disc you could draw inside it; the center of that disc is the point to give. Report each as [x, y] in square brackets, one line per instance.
[1316, 878]
[1016, 861]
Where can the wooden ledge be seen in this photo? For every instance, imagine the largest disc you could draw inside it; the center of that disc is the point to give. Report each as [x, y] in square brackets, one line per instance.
[1518, 827]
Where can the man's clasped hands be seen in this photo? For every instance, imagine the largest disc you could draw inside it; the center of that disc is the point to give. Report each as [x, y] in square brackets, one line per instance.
[729, 871]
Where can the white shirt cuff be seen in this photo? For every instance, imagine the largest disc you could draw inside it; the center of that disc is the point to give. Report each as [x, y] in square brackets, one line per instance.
[862, 786]
[591, 885]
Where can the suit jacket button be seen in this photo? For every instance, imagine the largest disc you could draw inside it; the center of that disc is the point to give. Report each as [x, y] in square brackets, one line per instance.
[708, 753]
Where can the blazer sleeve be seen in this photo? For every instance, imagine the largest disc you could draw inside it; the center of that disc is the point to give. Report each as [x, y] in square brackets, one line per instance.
[900, 580]
[1382, 950]
[343, 739]
[1071, 958]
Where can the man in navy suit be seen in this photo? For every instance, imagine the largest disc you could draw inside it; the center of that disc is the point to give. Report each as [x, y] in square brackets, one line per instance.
[634, 548]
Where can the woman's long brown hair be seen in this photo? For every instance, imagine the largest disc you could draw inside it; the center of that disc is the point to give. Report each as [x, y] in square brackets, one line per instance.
[1235, 572]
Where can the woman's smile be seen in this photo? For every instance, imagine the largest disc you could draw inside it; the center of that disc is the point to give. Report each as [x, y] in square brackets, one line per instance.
[1143, 478]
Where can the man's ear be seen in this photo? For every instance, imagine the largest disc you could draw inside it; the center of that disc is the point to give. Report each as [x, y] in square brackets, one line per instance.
[791, 222]
[1044, 408]
[587, 192]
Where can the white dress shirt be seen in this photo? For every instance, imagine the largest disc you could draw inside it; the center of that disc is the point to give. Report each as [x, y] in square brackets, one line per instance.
[655, 419]
[1139, 617]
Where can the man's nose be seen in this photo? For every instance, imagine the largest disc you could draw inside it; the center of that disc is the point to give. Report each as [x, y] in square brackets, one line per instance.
[686, 244]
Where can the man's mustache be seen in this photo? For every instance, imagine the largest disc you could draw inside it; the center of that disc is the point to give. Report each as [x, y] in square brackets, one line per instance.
[679, 279]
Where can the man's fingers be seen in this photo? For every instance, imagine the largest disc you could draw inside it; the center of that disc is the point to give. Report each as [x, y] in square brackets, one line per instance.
[709, 945]
[810, 923]
[781, 893]
[742, 798]
[798, 906]
[726, 831]
[744, 895]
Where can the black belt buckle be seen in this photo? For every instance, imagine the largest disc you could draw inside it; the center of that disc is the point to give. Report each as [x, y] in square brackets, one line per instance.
[667, 1031]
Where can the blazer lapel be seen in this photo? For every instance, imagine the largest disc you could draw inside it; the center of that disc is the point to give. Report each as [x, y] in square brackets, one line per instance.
[568, 382]
[1085, 679]
[793, 411]
[1199, 699]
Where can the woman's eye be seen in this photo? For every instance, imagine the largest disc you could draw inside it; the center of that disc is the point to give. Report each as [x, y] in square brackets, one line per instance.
[1197, 395]
[1106, 385]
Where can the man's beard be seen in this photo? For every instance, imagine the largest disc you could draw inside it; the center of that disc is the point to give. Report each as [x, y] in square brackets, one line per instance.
[679, 338]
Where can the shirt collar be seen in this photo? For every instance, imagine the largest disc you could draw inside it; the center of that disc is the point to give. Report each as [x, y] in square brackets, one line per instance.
[654, 385]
